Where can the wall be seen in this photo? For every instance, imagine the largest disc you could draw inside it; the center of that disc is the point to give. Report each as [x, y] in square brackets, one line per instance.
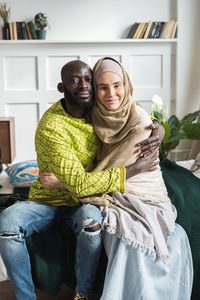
[188, 62]
[188, 58]
[91, 19]
[30, 71]
[109, 19]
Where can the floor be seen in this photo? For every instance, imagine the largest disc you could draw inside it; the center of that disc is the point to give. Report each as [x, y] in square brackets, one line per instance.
[7, 293]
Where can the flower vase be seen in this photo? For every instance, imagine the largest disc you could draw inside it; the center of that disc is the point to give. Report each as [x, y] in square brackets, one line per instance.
[6, 31]
[41, 34]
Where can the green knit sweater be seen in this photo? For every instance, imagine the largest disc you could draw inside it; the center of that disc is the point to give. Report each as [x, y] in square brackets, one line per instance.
[65, 146]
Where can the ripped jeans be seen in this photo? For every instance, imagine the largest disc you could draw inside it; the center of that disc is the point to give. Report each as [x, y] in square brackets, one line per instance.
[27, 217]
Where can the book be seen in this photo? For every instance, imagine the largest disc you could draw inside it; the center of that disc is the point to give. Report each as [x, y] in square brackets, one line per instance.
[169, 29]
[152, 30]
[32, 30]
[164, 30]
[19, 34]
[132, 31]
[137, 31]
[148, 29]
[159, 30]
[11, 31]
[28, 34]
[174, 30]
[23, 30]
[14, 27]
[140, 30]
[143, 31]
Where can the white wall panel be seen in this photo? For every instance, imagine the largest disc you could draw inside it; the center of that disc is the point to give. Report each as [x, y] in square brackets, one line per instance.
[20, 73]
[26, 120]
[53, 68]
[146, 71]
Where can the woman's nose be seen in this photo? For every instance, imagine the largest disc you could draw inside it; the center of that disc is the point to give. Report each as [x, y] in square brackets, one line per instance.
[111, 91]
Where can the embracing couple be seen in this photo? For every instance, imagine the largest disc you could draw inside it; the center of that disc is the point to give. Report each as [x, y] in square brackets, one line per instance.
[97, 152]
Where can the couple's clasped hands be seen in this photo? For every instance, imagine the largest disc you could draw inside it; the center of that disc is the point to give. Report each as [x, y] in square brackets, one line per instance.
[148, 151]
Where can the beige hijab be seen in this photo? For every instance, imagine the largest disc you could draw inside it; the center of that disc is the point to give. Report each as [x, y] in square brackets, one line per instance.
[115, 129]
[112, 127]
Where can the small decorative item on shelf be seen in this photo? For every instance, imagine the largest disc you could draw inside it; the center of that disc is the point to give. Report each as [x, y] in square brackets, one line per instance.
[175, 129]
[5, 15]
[41, 24]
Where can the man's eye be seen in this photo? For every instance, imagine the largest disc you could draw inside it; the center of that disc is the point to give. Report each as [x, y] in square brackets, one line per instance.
[75, 80]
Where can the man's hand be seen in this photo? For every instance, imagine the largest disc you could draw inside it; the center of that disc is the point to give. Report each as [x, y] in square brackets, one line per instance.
[51, 182]
[153, 142]
[143, 164]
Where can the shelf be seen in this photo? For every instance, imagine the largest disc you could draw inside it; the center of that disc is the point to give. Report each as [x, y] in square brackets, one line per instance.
[125, 41]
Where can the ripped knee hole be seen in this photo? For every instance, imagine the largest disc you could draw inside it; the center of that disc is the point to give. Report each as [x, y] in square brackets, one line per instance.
[9, 234]
[90, 225]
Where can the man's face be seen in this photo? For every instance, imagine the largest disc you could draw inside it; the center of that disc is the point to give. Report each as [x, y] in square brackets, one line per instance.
[77, 85]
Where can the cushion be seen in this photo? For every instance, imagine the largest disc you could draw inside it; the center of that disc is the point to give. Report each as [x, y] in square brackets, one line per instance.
[195, 168]
[23, 173]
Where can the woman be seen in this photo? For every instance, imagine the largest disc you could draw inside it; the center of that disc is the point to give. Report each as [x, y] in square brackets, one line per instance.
[144, 247]
[141, 261]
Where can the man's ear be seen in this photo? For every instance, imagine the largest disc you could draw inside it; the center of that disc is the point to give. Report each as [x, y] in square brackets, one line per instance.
[60, 87]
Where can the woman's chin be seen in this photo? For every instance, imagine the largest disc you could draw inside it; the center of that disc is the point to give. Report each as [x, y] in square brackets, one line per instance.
[112, 107]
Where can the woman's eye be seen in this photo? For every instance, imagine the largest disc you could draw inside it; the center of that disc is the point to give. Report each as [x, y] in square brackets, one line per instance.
[89, 79]
[103, 88]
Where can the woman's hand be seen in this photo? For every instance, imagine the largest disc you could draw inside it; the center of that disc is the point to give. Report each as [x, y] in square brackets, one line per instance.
[153, 142]
[143, 164]
[50, 181]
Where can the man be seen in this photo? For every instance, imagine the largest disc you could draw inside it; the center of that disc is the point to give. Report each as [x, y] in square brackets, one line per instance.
[65, 144]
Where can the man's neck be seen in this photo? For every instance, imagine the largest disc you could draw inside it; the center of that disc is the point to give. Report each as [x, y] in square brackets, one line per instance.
[73, 110]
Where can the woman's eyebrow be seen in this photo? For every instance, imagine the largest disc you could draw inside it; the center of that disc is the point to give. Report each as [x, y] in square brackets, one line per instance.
[112, 83]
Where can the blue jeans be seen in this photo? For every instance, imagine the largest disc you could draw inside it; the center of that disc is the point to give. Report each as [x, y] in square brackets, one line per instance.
[27, 217]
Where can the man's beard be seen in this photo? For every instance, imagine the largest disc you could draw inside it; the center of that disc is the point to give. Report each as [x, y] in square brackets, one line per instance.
[72, 100]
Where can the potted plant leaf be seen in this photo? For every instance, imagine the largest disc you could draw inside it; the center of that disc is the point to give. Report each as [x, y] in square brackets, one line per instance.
[5, 15]
[41, 24]
[175, 129]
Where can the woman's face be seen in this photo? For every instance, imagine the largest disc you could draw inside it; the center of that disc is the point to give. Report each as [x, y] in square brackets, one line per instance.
[110, 90]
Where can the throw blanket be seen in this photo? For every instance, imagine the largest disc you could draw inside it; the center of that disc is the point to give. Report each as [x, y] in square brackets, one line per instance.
[141, 224]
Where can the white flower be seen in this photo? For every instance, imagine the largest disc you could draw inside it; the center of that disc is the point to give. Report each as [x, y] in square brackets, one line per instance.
[157, 103]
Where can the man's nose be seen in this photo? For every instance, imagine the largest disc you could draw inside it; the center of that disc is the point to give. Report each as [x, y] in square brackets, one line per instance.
[83, 83]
